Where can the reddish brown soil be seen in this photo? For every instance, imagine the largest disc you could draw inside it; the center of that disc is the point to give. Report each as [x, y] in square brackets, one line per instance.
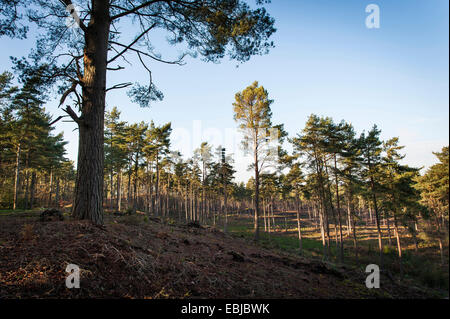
[133, 258]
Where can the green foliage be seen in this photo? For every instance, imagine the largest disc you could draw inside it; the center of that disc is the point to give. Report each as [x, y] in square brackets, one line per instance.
[29, 149]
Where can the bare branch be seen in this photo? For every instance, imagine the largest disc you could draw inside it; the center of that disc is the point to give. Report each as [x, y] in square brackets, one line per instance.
[66, 93]
[118, 68]
[72, 114]
[132, 43]
[119, 86]
[178, 62]
[59, 117]
[135, 9]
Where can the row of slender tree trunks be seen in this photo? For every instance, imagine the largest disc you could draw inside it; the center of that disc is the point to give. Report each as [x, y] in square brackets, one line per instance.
[193, 204]
[318, 218]
[39, 189]
[168, 199]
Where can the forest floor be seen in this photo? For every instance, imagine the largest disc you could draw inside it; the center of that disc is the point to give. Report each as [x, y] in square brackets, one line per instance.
[139, 257]
[422, 266]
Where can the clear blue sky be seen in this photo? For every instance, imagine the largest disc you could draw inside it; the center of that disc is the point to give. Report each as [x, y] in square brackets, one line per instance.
[325, 62]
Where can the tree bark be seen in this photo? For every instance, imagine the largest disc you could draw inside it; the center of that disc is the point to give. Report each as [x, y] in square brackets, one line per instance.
[32, 189]
[17, 177]
[341, 241]
[57, 193]
[119, 191]
[377, 220]
[299, 225]
[50, 192]
[89, 182]
[256, 220]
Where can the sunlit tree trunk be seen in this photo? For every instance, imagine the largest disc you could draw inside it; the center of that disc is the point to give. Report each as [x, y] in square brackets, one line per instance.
[119, 190]
[89, 181]
[299, 224]
[256, 163]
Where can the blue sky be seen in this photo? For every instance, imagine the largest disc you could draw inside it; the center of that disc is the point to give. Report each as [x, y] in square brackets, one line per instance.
[325, 62]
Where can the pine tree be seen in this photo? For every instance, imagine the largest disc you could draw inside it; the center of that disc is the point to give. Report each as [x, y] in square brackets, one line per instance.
[135, 138]
[312, 145]
[296, 181]
[203, 154]
[115, 152]
[370, 159]
[434, 193]
[80, 61]
[253, 114]
[157, 143]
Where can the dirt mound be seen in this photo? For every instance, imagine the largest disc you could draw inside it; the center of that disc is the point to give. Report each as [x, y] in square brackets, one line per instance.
[137, 257]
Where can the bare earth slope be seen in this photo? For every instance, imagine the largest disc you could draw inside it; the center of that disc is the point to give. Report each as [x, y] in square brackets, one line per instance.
[130, 257]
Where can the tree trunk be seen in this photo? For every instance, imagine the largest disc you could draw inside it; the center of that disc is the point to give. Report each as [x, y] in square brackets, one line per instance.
[439, 236]
[341, 241]
[349, 222]
[167, 194]
[111, 190]
[17, 177]
[264, 214]
[135, 190]
[322, 231]
[119, 190]
[386, 218]
[225, 211]
[89, 182]
[377, 220]
[299, 225]
[157, 186]
[57, 193]
[50, 189]
[399, 246]
[32, 189]
[256, 220]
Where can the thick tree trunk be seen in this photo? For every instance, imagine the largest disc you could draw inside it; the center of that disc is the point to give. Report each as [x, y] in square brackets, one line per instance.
[89, 183]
